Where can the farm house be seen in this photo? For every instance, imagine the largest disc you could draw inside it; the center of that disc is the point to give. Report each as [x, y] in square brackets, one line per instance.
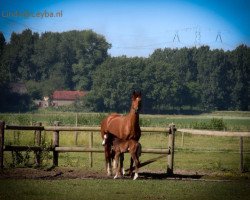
[60, 98]
[63, 98]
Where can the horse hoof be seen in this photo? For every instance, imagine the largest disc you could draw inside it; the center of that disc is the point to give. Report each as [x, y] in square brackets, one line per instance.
[123, 171]
[136, 176]
[109, 174]
[116, 176]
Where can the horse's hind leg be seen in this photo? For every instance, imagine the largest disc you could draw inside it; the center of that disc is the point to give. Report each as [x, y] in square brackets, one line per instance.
[116, 165]
[121, 164]
[131, 166]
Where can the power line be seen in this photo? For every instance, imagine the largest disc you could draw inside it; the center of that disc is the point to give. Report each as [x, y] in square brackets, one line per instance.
[197, 36]
[196, 30]
[218, 37]
[176, 36]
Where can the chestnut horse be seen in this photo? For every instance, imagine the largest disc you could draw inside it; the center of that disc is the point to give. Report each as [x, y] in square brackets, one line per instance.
[124, 127]
[122, 146]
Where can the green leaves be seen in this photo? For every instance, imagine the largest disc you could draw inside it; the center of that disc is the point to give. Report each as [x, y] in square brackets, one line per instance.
[170, 79]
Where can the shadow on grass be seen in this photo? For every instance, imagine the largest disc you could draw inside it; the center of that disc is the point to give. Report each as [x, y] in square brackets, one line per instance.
[150, 175]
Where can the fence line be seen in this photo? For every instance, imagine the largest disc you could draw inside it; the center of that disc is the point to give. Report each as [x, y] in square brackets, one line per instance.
[215, 133]
[143, 129]
[219, 133]
[78, 128]
[56, 148]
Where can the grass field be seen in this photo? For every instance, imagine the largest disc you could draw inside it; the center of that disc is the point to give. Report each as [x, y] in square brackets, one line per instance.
[238, 121]
[216, 157]
[197, 153]
[122, 189]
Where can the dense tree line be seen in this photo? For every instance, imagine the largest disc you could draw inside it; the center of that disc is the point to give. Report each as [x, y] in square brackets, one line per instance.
[50, 61]
[175, 79]
[170, 79]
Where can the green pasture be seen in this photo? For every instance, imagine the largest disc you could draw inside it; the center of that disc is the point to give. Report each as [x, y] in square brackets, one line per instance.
[237, 121]
[214, 158]
[122, 189]
[193, 152]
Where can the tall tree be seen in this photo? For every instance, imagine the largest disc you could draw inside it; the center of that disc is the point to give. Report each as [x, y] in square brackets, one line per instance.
[2, 44]
[46, 55]
[3, 69]
[91, 51]
[18, 56]
[241, 77]
[113, 82]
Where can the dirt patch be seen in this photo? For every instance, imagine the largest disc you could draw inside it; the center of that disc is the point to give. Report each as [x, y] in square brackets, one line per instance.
[76, 173]
[55, 173]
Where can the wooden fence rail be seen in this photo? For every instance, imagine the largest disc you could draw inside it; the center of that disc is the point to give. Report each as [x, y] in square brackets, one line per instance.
[220, 133]
[56, 148]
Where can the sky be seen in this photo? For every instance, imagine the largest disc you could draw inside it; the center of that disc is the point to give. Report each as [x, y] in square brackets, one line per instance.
[136, 27]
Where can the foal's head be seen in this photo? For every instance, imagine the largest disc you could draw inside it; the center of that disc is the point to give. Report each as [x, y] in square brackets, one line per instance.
[136, 101]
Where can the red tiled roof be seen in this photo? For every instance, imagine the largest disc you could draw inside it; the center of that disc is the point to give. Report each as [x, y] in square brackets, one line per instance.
[68, 95]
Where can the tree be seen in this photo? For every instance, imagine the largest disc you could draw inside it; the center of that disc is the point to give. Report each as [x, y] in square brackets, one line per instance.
[113, 82]
[46, 55]
[183, 72]
[157, 85]
[91, 51]
[2, 44]
[241, 77]
[169, 79]
[3, 69]
[17, 57]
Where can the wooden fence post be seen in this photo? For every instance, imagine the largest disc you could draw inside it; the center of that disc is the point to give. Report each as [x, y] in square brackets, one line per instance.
[182, 139]
[91, 146]
[241, 155]
[2, 124]
[76, 133]
[38, 143]
[55, 144]
[171, 140]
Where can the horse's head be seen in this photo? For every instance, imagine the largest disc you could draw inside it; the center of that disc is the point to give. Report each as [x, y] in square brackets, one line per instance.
[136, 101]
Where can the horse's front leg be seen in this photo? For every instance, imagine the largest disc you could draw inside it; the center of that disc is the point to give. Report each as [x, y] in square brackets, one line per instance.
[107, 150]
[105, 138]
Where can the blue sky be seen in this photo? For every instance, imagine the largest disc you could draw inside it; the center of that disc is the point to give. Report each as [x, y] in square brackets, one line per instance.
[138, 27]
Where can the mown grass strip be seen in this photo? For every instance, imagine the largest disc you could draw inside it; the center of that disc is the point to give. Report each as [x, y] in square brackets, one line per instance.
[123, 189]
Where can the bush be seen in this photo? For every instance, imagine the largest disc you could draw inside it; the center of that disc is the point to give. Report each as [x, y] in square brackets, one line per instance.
[213, 124]
[217, 124]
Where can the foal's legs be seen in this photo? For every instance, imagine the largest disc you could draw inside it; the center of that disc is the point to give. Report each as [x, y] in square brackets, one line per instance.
[116, 164]
[137, 154]
[137, 163]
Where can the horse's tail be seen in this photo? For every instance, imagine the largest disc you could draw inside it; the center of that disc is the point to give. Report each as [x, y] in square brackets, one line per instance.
[138, 152]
